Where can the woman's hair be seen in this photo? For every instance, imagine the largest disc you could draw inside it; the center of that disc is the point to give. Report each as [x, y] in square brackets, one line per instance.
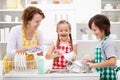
[70, 36]
[29, 12]
[102, 22]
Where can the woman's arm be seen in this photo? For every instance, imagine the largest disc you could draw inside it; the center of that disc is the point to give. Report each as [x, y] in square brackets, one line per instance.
[11, 44]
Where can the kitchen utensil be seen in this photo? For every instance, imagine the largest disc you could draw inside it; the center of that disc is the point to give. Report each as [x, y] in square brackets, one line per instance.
[87, 69]
[78, 67]
[75, 67]
[35, 50]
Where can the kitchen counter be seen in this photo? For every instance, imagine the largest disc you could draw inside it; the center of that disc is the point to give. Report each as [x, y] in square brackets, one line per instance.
[33, 75]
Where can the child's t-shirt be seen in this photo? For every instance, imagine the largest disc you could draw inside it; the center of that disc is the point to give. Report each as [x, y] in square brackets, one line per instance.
[109, 49]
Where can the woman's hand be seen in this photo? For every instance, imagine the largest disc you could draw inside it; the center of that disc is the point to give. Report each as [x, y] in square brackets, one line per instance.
[31, 47]
[24, 49]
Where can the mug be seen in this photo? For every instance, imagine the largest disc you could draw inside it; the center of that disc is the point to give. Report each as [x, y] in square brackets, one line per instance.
[8, 18]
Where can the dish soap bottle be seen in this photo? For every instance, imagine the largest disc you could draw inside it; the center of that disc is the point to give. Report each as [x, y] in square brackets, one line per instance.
[40, 63]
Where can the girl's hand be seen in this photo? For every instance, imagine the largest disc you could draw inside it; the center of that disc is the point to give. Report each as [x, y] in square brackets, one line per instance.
[58, 52]
[74, 56]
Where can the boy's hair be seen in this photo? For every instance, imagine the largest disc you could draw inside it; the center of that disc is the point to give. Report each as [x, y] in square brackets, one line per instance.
[70, 36]
[29, 12]
[102, 22]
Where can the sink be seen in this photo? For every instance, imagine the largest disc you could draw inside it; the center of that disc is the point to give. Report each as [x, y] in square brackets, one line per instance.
[57, 71]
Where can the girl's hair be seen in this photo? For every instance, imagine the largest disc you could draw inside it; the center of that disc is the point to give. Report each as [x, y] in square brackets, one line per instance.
[28, 14]
[102, 22]
[70, 36]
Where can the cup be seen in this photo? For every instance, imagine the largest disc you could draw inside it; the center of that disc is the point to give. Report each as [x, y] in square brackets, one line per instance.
[108, 6]
[16, 19]
[85, 37]
[8, 18]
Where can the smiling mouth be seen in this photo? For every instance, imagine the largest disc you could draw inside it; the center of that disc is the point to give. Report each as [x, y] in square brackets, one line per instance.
[63, 35]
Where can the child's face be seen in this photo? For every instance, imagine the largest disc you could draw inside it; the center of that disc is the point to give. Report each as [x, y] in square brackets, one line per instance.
[97, 32]
[63, 31]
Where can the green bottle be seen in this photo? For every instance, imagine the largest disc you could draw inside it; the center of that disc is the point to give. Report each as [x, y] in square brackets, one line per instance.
[41, 64]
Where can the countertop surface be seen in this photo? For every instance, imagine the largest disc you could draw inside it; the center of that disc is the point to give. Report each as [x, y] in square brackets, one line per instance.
[34, 73]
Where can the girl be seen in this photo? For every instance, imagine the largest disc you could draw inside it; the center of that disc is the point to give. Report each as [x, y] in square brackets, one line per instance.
[63, 46]
[105, 52]
[25, 36]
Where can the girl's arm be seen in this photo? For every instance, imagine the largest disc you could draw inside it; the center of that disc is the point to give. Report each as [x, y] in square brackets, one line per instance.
[75, 47]
[109, 62]
[49, 54]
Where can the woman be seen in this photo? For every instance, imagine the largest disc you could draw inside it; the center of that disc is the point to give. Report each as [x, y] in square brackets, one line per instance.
[24, 37]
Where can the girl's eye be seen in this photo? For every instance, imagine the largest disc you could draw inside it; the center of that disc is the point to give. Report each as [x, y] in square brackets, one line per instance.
[66, 30]
[37, 21]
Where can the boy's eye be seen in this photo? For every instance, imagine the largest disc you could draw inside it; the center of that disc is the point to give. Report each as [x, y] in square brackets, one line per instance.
[94, 30]
[61, 30]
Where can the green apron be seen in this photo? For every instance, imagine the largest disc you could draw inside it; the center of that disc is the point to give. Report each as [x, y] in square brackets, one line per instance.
[107, 73]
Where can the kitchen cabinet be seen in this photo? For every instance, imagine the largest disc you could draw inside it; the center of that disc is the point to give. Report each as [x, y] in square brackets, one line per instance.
[111, 8]
[9, 16]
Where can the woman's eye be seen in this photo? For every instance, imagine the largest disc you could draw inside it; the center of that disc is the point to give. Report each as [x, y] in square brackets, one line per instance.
[60, 30]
